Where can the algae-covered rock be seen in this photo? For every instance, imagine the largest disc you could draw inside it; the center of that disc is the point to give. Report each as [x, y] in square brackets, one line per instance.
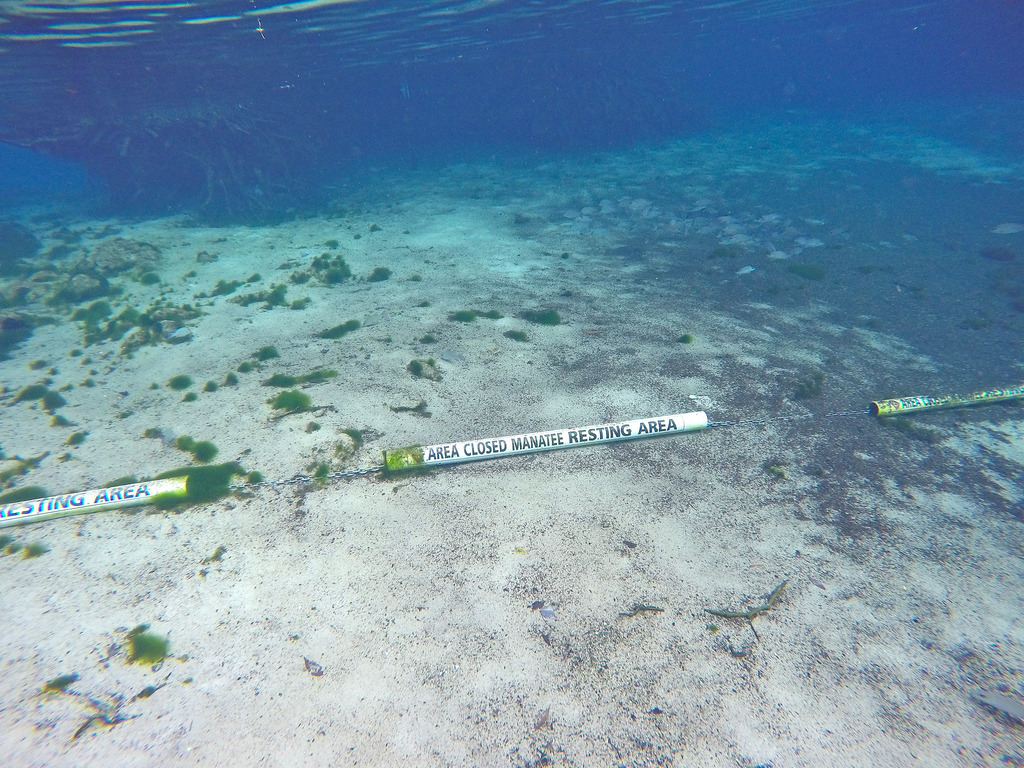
[16, 243]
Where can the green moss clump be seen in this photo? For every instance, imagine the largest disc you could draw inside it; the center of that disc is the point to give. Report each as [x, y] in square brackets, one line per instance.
[319, 375]
[300, 303]
[185, 443]
[330, 270]
[332, 243]
[428, 338]
[210, 386]
[36, 365]
[204, 483]
[463, 316]
[35, 549]
[216, 556]
[95, 312]
[812, 386]
[311, 427]
[686, 338]
[254, 477]
[775, 467]
[516, 335]
[60, 684]
[179, 382]
[290, 400]
[355, 434]
[423, 303]
[275, 297]
[149, 278]
[246, 366]
[379, 275]
[31, 392]
[226, 287]
[281, 380]
[338, 331]
[76, 438]
[416, 278]
[806, 271]
[204, 451]
[59, 421]
[424, 369]
[230, 380]
[23, 493]
[491, 314]
[542, 316]
[13, 548]
[146, 647]
[266, 353]
[153, 433]
[190, 397]
[52, 401]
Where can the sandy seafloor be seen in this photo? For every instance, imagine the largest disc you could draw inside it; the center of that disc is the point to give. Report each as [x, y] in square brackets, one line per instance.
[902, 551]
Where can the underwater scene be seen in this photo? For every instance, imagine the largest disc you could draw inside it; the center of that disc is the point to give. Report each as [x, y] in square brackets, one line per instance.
[494, 383]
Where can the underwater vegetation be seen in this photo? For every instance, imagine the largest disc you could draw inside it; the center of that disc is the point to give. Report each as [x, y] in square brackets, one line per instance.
[775, 467]
[49, 399]
[379, 275]
[812, 386]
[317, 376]
[469, 315]
[541, 316]
[202, 451]
[274, 297]
[153, 326]
[60, 683]
[291, 401]
[205, 483]
[339, 331]
[516, 335]
[686, 338]
[424, 369]
[145, 647]
[180, 382]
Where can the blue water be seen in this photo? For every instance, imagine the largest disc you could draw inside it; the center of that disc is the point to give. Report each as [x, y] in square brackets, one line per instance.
[233, 114]
[774, 211]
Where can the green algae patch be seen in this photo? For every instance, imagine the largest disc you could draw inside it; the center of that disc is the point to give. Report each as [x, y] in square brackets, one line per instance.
[179, 382]
[205, 483]
[24, 493]
[541, 316]
[338, 331]
[291, 400]
[145, 647]
[60, 683]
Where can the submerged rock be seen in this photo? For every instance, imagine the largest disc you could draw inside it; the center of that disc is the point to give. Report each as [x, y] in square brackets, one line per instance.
[16, 243]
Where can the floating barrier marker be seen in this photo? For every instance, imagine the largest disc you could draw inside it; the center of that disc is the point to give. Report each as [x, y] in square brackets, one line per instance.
[203, 483]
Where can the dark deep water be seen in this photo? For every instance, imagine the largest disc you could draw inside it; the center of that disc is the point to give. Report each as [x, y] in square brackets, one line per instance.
[254, 114]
